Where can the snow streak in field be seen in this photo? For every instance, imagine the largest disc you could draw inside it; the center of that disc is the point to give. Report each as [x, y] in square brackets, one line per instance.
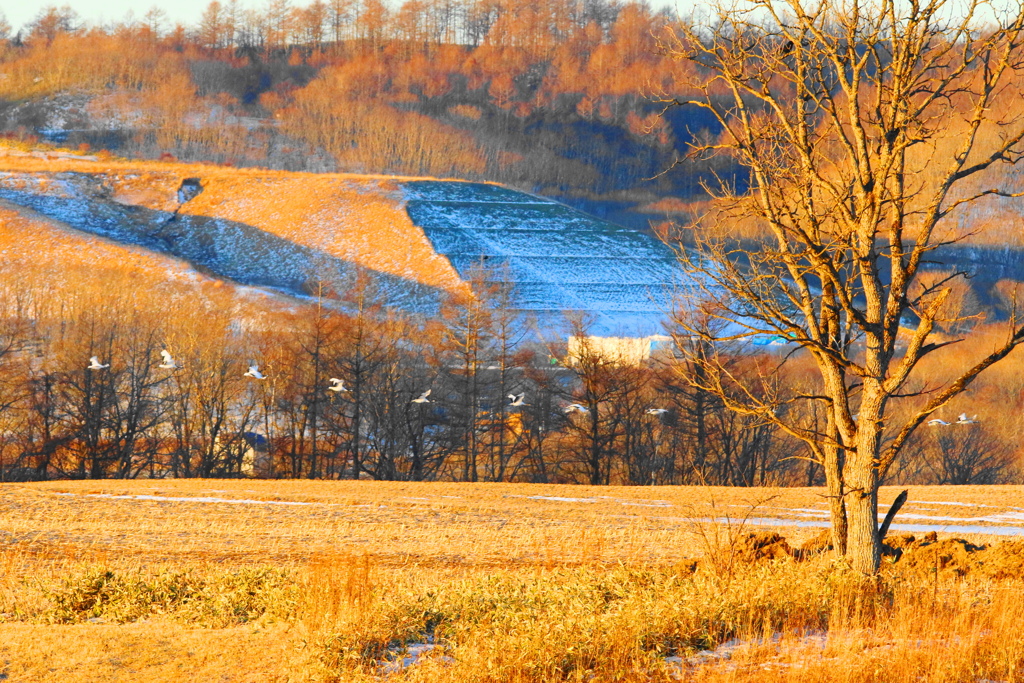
[948, 528]
[188, 499]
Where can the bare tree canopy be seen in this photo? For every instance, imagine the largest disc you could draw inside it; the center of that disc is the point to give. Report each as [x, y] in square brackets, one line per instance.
[866, 129]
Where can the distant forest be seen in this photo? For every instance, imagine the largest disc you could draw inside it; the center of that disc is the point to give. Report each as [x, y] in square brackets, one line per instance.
[563, 98]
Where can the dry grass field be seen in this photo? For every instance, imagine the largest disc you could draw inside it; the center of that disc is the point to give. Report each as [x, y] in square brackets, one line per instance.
[217, 580]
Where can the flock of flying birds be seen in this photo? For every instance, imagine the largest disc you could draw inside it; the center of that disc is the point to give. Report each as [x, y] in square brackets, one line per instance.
[515, 400]
[961, 420]
[338, 386]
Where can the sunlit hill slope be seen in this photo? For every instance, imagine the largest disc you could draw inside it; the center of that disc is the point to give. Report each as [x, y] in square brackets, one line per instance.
[289, 231]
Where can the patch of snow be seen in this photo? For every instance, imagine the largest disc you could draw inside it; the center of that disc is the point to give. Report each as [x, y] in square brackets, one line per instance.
[231, 248]
[799, 512]
[994, 519]
[920, 528]
[660, 504]
[815, 642]
[966, 505]
[640, 502]
[188, 499]
[408, 655]
[556, 258]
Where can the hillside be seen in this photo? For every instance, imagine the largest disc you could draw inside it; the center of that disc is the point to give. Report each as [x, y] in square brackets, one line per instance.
[41, 254]
[419, 237]
[566, 106]
[558, 259]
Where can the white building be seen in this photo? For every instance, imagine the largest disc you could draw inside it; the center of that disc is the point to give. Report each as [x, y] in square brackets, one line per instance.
[622, 350]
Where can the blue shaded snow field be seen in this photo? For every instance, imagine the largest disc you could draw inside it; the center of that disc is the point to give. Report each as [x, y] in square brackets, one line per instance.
[557, 258]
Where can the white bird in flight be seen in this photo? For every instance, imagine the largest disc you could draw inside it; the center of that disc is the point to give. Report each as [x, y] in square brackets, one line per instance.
[254, 372]
[168, 363]
[964, 420]
[657, 411]
[937, 423]
[576, 408]
[94, 364]
[516, 400]
[337, 385]
[422, 398]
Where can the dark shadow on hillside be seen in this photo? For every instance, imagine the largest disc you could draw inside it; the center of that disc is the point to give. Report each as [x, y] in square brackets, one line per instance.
[986, 266]
[233, 250]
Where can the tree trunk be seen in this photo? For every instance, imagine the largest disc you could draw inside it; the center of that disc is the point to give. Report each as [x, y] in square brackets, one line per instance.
[863, 547]
[836, 498]
[891, 515]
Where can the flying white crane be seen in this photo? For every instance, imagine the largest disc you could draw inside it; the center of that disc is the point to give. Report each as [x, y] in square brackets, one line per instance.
[516, 400]
[575, 408]
[337, 385]
[254, 372]
[94, 364]
[964, 420]
[422, 398]
[937, 423]
[168, 363]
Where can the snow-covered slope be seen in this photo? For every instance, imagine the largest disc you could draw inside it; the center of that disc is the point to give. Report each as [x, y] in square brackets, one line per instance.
[558, 259]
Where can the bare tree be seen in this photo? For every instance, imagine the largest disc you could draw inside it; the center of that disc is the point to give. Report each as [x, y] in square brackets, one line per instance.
[864, 130]
[365, 341]
[962, 455]
[597, 426]
[51, 21]
[467, 318]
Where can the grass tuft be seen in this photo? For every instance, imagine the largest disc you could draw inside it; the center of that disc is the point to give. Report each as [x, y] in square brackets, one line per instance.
[212, 601]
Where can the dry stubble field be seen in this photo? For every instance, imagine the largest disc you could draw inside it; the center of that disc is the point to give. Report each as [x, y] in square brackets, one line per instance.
[186, 580]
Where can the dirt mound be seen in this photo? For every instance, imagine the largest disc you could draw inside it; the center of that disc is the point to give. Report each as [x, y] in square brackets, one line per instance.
[822, 543]
[929, 556]
[762, 545]
[925, 556]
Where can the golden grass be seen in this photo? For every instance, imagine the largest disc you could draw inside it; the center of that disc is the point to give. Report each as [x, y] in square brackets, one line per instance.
[155, 650]
[402, 522]
[42, 254]
[512, 582]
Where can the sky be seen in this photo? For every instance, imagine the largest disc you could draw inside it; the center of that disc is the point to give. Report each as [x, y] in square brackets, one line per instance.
[187, 12]
[22, 12]
[101, 11]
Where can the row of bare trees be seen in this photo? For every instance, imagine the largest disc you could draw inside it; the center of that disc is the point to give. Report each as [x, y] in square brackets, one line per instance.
[406, 91]
[206, 418]
[59, 419]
